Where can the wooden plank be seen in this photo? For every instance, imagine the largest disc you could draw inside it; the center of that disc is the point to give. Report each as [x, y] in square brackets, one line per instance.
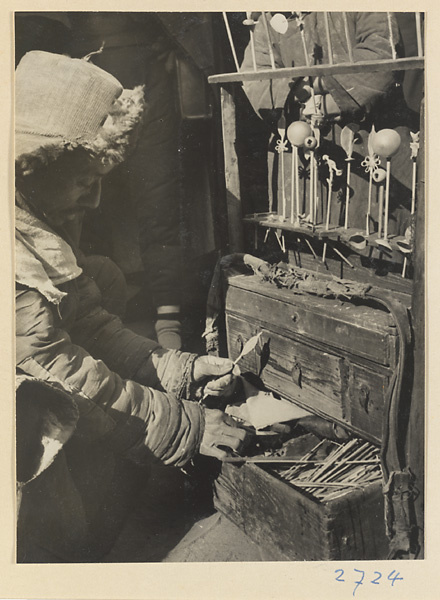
[359, 330]
[367, 393]
[232, 177]
[358, 525]
[370, 66]
[272, 513]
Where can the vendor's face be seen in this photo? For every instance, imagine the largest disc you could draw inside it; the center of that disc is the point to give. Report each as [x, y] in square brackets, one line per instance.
[66, 189]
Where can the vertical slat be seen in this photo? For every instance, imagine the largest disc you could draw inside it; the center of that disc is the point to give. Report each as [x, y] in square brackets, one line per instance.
[347, 36]
[419, 34]
[232, 178]
[390, 33]
[231, 41]
[415, 447]
[269, 40]
[329, 41]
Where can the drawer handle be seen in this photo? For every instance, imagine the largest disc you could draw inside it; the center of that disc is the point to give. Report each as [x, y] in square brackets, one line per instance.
[296, 374]
[295, 317]
[239, 344]
[364, 398]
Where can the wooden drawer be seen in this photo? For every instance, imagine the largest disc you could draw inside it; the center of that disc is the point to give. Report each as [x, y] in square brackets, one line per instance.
[361, 331]
[328, 384]
[294, 526]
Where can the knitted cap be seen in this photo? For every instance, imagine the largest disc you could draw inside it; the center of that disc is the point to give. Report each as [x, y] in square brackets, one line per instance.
[63, 103]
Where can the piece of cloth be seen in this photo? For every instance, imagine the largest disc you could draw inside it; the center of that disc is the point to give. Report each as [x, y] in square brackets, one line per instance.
[43, 260]
[365, 99]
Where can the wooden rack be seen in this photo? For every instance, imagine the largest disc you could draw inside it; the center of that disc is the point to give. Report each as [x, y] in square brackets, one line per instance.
[312, 235]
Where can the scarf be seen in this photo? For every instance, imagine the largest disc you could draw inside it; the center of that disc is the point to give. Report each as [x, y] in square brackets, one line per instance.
[43, 260]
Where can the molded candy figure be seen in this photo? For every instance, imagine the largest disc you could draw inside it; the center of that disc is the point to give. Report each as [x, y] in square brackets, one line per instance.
[298, 132]
[386, 142]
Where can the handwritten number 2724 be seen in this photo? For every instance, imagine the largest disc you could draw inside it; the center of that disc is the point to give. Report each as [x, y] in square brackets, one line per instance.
[393, 577]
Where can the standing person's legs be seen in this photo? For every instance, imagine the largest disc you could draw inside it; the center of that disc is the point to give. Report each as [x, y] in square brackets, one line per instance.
[152, 175]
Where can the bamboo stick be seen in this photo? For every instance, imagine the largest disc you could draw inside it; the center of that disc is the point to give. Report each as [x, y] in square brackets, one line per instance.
[370, 192]
[380, 220]
[387, 199]
[292, 186]
[329, 42]
[419, 35]
[296, 183]
[391, 35]
[311, 248]
[283, 191]
[347, 36]
[347, 192]
[269, 40]
[231, 41]
[367, 66]
[413, 190]
[343, 258]
[249, 21]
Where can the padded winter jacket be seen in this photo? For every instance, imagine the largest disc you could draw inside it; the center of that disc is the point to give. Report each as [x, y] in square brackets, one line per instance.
[129, 391]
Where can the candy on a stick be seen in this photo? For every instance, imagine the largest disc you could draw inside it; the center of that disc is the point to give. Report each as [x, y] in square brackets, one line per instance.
[279, 23]
[414, 145]
[297, 133]
[333, 170]
[371, 163]
[347, 142]
[386, 143]
[281, 148]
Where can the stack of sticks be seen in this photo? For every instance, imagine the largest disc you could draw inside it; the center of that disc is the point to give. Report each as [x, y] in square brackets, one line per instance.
[351, 465]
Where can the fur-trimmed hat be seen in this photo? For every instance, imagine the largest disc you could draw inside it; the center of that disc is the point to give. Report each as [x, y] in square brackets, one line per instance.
[63, 103]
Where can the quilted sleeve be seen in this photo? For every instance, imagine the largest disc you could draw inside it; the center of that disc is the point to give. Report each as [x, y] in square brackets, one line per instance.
[137, 421]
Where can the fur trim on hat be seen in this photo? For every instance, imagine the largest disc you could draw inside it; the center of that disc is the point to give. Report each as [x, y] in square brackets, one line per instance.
[115, 138]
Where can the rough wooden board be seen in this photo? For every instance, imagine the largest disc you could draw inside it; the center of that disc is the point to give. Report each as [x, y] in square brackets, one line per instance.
[366, 66]
[232, 178]
[360, 330]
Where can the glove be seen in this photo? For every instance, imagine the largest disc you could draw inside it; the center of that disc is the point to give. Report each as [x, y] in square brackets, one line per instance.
[214, 376]
[221, 434]
[169, 333]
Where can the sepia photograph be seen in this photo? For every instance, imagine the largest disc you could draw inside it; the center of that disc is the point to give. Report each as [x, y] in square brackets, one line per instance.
[220, 287]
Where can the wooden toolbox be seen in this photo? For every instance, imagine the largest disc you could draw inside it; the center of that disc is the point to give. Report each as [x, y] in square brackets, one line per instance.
[335, 359]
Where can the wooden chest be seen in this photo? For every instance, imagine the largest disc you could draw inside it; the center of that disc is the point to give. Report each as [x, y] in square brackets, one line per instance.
[334, 358]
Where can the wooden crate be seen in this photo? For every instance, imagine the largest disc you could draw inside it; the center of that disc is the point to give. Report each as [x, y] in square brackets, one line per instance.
[292, 525]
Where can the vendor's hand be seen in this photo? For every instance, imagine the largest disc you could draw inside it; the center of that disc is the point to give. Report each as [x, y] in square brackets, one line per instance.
[221, 434]
[215, 376]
